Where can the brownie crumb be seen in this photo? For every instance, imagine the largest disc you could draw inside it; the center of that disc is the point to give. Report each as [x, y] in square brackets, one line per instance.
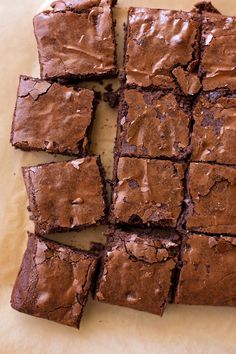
[111, 97]
[205, 6]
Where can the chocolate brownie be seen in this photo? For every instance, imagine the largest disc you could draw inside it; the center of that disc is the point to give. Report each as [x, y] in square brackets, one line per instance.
[76, 40]
[162, 49]
[208, 276]
[54, 281]
[205, 6]
[137, 269]
[218, 62]
[214, 131]
[147, 192]
[153, 124]
[212, 199]
[65, 196]
[52, 117]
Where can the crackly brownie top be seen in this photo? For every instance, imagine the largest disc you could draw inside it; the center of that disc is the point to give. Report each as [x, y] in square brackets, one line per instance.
[148, 192]
[218, 63]
[214, 131]
[87, 48]
[137, 269]
[65, 195]
[208, 276]
[78, 5]
[153, 125]
[158, 42]
[212, 194]
[54, 281]
[51, 117]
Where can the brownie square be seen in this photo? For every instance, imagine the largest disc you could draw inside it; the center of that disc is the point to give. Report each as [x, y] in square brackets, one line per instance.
[65, 196]
[147, 192]
[153, 124]
[208, 276]
[52, 117]
[162, 44]
[54, 281]
[137, 269]
[76, 40]
[214, 131]
[212, 199]
[218, 62]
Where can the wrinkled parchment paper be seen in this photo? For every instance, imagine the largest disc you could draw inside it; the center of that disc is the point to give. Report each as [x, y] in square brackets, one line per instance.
[105, 329]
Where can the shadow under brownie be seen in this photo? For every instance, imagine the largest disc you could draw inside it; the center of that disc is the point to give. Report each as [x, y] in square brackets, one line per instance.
[66, 196]
[54, 281]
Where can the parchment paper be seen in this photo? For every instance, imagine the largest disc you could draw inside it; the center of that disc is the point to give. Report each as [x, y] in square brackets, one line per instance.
[105, 329]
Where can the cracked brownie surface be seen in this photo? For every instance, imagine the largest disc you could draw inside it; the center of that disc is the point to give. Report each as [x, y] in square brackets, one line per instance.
[218, 59]
[52, 117]
[137, 269]
[54, 281]
[163, 49]
[212, 198]
[154, 124]
[76, 40]
[148, 192]
[214, 131]
[66, 196]
[208, 276]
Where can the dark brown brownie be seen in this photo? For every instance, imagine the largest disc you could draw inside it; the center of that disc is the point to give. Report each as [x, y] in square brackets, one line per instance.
[212, 199]
[54, 281]
[153, 124]
[208, 276]
[218, 62]
[137, 269]
[205, 6]
[65, 196]
[214, 131]
[52, 117]
[162, 49]
[76, 40]
[147, 192]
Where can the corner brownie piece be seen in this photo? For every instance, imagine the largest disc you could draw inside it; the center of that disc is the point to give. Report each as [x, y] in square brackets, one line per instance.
[153, 124]
[212, 198]
[160, 44]
[208, 276]
[65, 196]
[147, 192]
[76, 40]
[54, 281]
[214, 131]
[52, 117]
[218, 62]
[137, 269]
